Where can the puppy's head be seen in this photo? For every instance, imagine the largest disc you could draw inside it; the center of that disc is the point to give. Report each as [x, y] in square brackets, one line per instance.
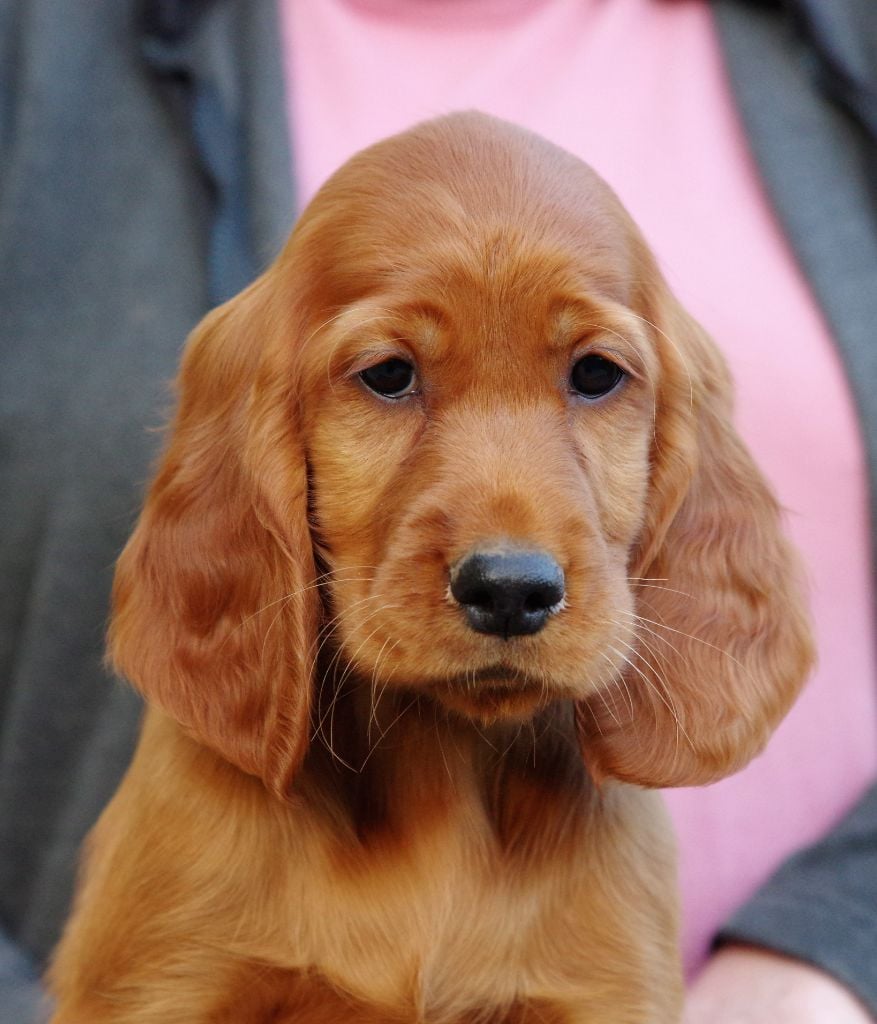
[466, 382]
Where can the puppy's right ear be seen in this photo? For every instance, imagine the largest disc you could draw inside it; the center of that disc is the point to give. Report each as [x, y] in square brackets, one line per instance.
[723, 630]
[215, 612]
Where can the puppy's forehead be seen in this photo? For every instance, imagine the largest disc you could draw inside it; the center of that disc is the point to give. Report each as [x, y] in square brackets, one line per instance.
[456, 190]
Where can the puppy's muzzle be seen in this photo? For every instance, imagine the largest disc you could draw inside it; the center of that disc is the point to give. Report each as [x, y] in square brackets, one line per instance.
[507, 593]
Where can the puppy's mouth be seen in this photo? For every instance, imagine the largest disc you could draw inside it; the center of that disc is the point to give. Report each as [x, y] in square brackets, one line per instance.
[493, 693]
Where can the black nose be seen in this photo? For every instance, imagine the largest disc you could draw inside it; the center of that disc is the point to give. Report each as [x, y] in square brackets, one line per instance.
[508, 593]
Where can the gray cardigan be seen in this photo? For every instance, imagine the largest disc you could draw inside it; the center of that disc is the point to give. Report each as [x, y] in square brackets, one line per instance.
[144, 176]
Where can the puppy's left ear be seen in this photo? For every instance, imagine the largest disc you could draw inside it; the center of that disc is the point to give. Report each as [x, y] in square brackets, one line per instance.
[723, 640]
[215, 611]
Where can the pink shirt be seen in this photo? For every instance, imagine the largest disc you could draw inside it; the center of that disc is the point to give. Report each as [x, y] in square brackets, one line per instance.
[637, 89]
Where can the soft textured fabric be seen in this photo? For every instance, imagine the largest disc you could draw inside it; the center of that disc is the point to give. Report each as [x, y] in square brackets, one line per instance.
[108, 218]
[822, 905]
[637, 89]
[106, 229]
[21, 999]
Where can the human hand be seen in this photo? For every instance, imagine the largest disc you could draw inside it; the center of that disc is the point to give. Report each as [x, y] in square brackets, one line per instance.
[746, 985]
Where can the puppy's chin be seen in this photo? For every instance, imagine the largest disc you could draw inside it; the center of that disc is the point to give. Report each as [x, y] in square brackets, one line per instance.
[490, 698]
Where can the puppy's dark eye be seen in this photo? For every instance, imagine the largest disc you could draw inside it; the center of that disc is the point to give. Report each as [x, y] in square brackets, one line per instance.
[394, 378]
[594, 376]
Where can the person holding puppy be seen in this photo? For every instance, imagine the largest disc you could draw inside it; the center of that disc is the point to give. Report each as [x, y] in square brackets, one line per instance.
[147, 177]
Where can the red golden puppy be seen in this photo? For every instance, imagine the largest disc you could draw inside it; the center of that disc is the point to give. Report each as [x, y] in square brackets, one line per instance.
[453, 556]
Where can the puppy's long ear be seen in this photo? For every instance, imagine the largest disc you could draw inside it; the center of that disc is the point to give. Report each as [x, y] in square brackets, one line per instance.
[214, 618]
[723, 639]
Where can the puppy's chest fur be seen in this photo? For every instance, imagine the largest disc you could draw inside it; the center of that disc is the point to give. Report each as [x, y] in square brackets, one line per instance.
[458, 868]
[450, 879]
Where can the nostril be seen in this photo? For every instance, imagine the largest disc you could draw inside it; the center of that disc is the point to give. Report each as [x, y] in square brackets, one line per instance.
[543, 598]
[478, 596]
[510, 592]
[469, 582]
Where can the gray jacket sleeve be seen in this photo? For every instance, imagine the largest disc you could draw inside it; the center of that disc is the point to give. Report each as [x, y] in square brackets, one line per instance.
[21, 997]
[804, 74]
[123, 217]
[821, 906]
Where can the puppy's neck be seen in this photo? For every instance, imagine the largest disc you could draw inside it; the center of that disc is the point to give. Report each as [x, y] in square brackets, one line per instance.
[383, 773]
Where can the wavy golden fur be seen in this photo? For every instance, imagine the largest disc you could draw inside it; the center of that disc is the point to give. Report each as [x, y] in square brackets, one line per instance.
[349, 804]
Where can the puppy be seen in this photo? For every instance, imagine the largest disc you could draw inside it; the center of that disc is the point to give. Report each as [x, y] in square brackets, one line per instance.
[453, 556]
